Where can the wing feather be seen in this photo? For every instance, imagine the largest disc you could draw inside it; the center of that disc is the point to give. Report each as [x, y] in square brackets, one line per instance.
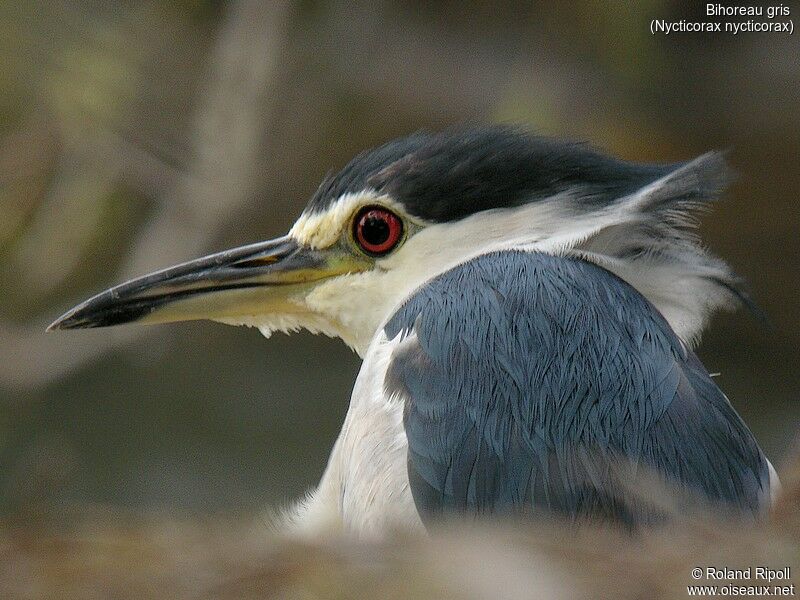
[531, 378]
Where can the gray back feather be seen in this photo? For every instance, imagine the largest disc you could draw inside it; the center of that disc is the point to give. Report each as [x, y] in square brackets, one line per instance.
[528, 378]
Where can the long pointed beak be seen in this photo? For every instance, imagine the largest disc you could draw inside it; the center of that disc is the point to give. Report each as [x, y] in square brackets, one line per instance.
[263, 278]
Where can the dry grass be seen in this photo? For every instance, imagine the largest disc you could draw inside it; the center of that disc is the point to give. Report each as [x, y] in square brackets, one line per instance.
[106, 559]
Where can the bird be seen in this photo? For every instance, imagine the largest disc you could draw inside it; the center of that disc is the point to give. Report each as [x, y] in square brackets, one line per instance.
[526, 309]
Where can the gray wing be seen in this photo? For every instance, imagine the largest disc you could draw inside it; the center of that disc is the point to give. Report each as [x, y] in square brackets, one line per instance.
[528, 378]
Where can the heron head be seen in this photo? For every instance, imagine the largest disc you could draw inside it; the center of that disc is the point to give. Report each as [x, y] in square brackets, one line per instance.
[406, 211]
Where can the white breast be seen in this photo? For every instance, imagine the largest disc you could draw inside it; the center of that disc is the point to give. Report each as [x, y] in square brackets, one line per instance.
[365, 489]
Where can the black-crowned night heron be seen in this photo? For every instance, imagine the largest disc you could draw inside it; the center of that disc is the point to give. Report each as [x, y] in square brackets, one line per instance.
[524, 308]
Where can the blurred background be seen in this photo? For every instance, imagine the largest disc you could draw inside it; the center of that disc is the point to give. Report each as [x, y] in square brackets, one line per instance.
[134, 135]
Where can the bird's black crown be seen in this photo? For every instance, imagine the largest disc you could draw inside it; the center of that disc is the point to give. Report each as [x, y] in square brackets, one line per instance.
[447, 176]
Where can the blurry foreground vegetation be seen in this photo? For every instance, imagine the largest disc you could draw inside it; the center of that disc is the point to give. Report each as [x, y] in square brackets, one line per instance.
[114, 558]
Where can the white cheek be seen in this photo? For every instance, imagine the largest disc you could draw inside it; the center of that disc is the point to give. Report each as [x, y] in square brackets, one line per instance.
[355, 304]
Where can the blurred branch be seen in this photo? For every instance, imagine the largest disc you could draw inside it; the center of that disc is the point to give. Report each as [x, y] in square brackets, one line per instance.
[197, 206]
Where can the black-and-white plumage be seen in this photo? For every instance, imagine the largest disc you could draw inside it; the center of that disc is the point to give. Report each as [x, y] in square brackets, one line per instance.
[525, 308]
[636, 220]
[484, 169]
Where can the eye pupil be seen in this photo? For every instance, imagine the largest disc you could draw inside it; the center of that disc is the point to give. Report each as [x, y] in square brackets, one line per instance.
[377, 230]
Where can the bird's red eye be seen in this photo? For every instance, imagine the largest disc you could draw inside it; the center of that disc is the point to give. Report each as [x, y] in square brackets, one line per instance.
[377, 230]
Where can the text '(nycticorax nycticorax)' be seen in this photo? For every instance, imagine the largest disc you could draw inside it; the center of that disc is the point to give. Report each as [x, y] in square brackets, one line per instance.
[525, 310]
